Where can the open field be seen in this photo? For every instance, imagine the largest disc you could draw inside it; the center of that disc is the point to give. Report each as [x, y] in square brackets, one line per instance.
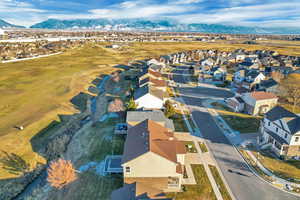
[34, 92]
[202, 190]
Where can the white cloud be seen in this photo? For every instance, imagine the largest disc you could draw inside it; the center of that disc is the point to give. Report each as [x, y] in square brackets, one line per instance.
[131, 9]
[181, 2]
[257, 15]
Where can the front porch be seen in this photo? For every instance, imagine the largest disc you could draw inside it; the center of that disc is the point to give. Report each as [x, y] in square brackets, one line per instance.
[271, 140]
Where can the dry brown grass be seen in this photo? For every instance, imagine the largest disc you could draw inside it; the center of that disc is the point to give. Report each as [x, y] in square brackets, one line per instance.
[34, 92]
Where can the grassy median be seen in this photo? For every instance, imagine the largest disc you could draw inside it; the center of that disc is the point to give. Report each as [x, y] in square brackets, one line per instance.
[223, 190]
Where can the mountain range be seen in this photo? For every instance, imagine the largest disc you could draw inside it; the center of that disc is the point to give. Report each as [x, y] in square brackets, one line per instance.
[157, 25]
[4, 24]
[144, 24]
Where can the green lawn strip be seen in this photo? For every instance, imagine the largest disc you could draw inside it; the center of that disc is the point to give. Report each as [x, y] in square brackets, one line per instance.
[223, 190]
[202, 190]
[203, 147]
[179, 123]
[190, 147]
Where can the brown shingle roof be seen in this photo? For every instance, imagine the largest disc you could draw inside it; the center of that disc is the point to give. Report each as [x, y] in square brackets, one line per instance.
[260, 95]
[158, 83]
[154, 73]
[151, 136]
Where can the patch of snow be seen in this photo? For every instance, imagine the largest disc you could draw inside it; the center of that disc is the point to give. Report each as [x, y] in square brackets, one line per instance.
[100, 168]
[87, 166]
[103, 118]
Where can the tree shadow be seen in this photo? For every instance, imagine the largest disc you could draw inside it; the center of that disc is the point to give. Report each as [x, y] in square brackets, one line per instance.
[13, 163]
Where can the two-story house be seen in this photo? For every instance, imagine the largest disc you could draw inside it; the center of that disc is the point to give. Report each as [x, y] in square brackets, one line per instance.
[280, 131]
[149, 97]
[154, 158]
[259, 102]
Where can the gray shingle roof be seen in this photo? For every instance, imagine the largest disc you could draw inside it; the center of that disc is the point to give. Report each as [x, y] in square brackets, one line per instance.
[155, 115]
[268, 83]
[292, 120]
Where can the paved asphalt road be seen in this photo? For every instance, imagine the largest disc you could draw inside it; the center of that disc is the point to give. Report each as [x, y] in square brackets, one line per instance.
[243, 183]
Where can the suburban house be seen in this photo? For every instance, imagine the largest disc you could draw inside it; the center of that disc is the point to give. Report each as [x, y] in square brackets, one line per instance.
[280, 131]
[236, 103]
[248, 78]
[155, 62]
[135, 117]
[154, 158]
[148, 97]
[159, 84]
[259, 102]
[269, 85]
[219, 73]
[150, 73]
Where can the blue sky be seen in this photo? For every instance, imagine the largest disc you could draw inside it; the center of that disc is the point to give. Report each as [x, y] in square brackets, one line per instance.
[266, 13]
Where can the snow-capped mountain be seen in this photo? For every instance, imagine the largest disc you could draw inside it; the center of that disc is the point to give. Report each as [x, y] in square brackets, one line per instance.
[157, 25]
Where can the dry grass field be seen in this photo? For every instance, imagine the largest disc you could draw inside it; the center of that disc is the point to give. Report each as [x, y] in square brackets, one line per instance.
[34, 92]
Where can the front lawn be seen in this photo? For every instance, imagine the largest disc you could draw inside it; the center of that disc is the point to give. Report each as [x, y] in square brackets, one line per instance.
[202, 190]
[284, 169]
[203, 147]
[237, 121]
[241, 122]
[190, 147]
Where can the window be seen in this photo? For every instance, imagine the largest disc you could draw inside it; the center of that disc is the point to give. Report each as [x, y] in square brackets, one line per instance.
[269, 123]
[296, 139]
[285, 136]
[127, 169]
[276, 130]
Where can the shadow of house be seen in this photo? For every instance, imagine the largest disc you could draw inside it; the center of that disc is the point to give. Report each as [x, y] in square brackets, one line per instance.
[93, 90]
[96, 81]
[124, 67]
[80, 101]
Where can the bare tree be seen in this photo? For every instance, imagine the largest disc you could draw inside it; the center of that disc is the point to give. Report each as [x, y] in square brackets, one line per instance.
[290, 89]
[116, 106]
[61, 173]
[116, 77]
[277, 76]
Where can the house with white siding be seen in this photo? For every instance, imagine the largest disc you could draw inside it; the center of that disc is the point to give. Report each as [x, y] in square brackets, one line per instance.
[148, 97]
[280, 131]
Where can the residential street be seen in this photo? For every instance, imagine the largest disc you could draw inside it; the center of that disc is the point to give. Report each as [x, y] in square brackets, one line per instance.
[243, 183]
